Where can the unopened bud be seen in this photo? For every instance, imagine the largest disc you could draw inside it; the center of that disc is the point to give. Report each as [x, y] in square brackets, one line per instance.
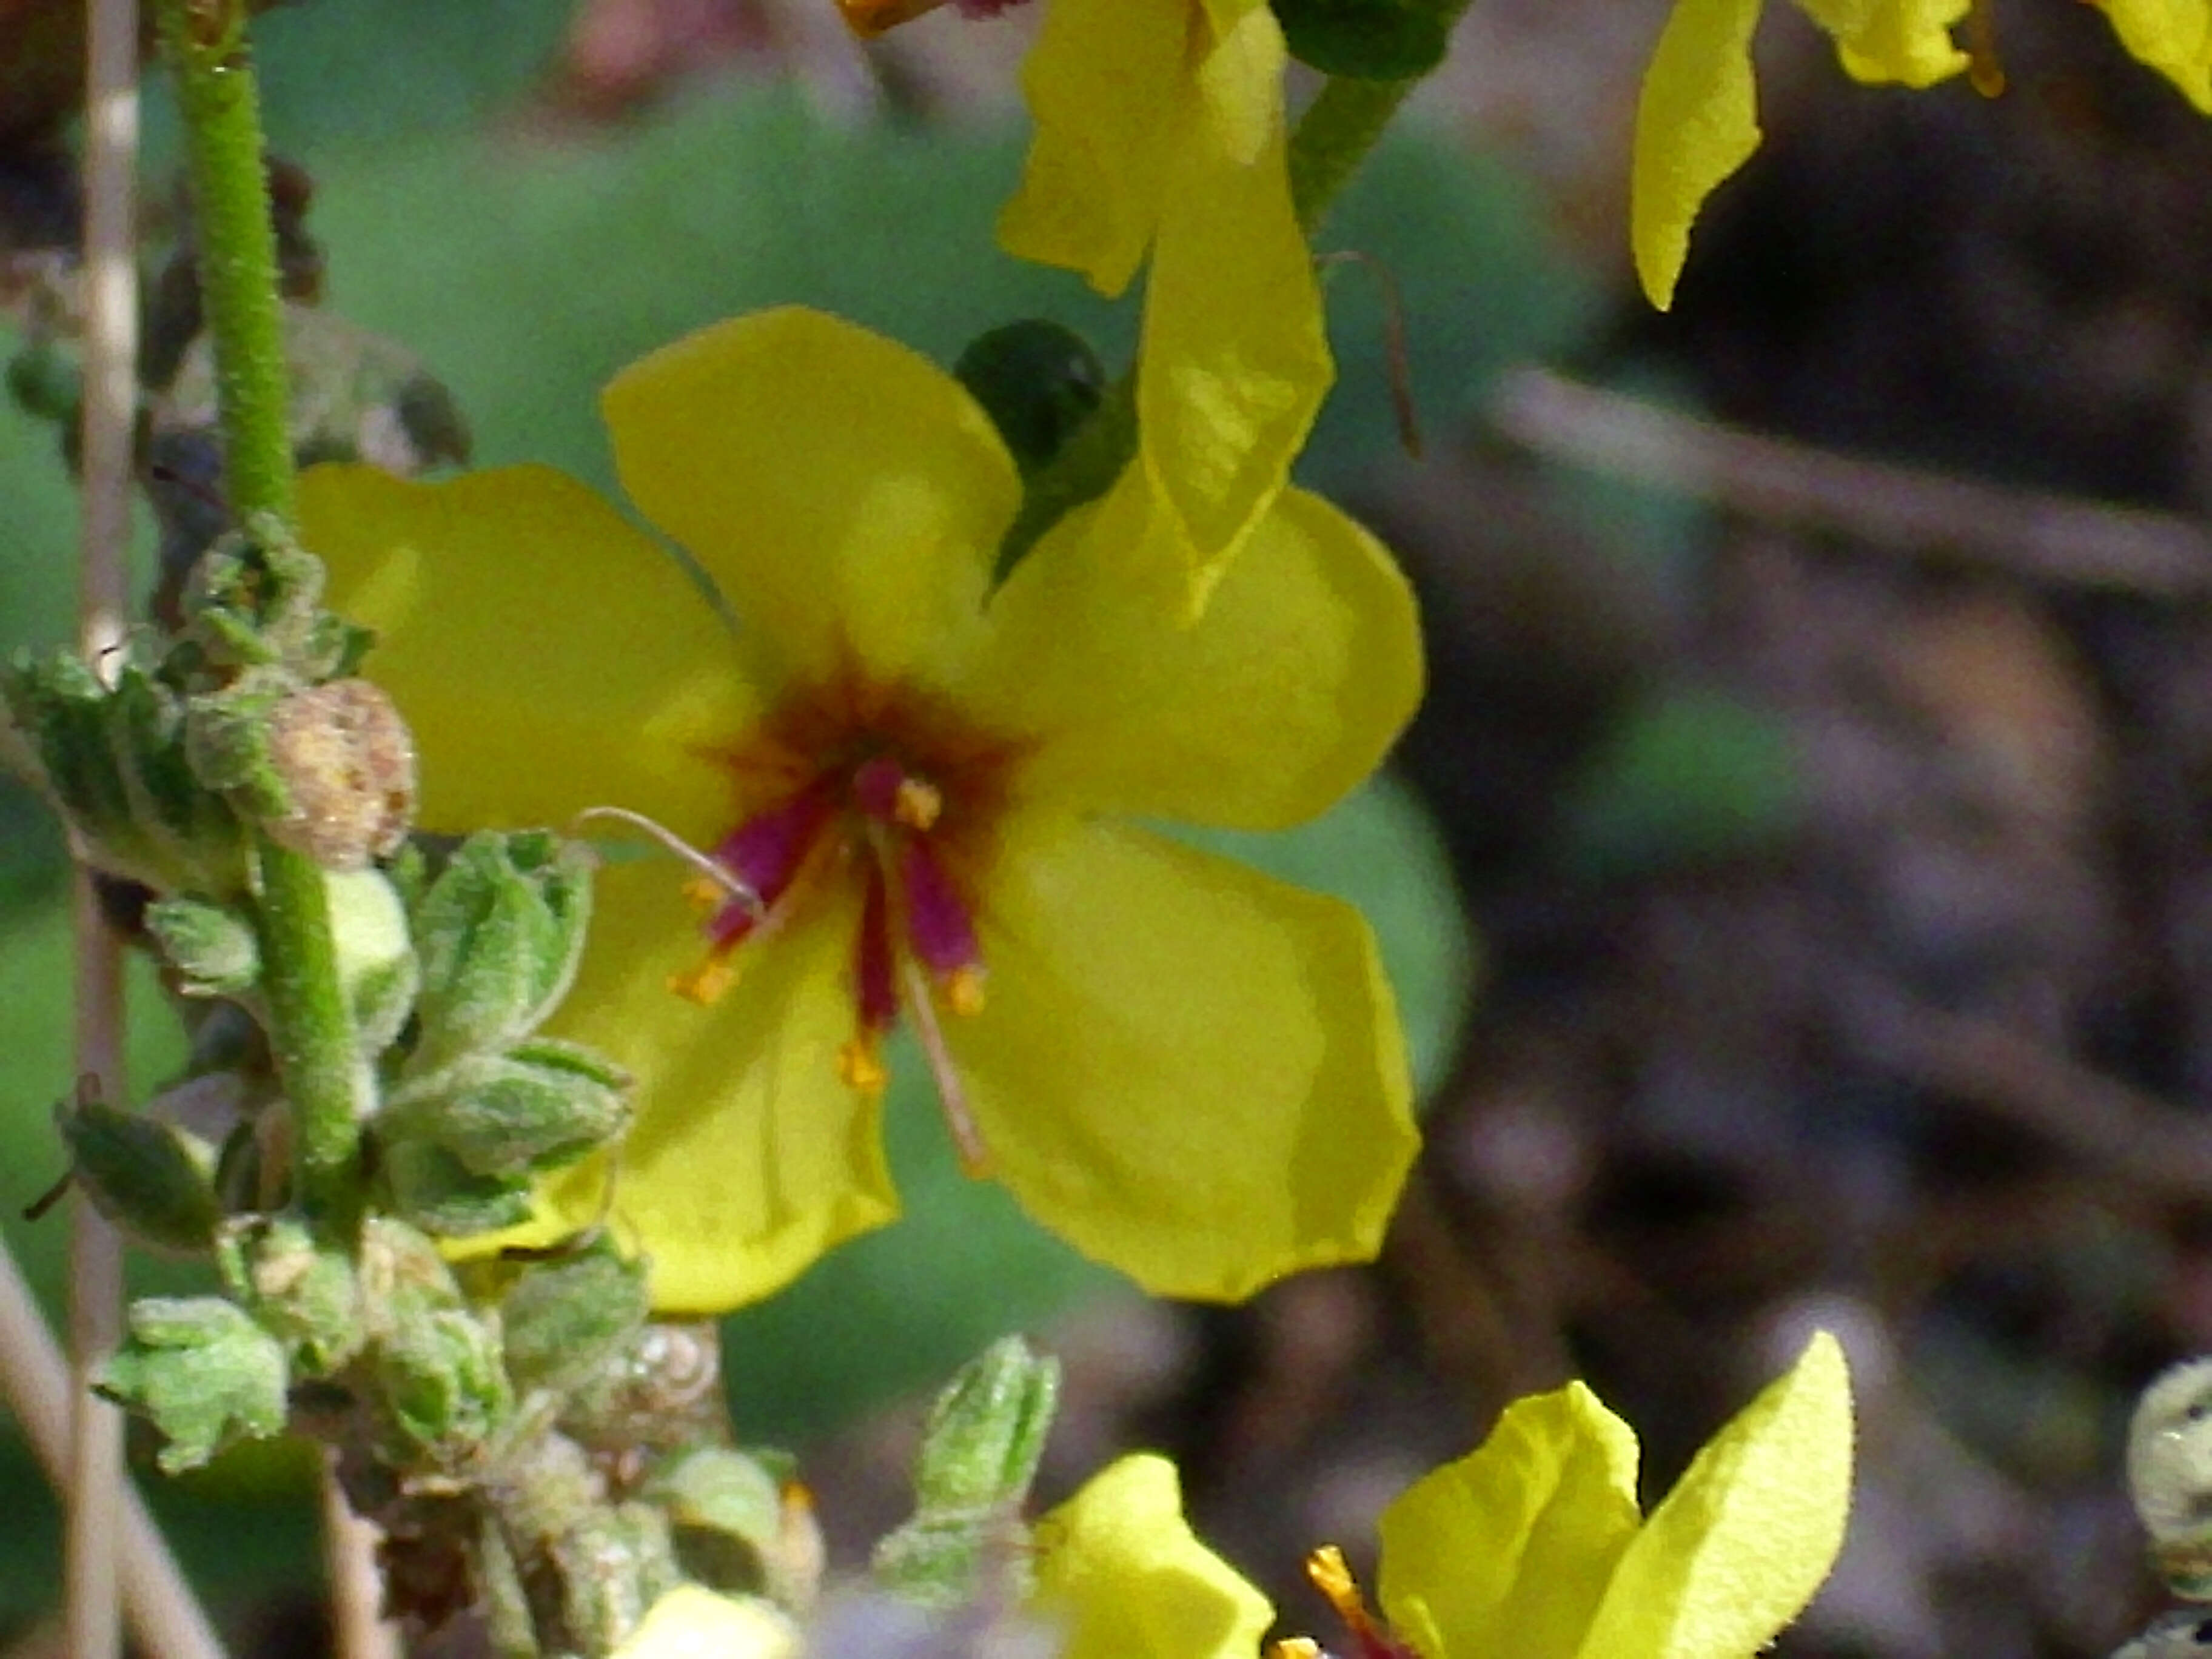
[304, 1293]
[1369, 39]
[1038, 380]
[565, 1318]
[500, 930]
[153, 1179]
[537, 1107]
[212, 947]
[428, 1187]
[376, 957]
[204, 1373]
[978, 1454]
[443, 1390]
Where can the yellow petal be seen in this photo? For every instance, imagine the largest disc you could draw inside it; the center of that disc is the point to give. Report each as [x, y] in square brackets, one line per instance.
[2173, 37]
[749, 1157]
[1188, 1070]
[1519, 1537]
[844, 493]
[1118, 1563]
[1696, 122]
[691, 1623]
[1905, 41]
[1744, 1539]
[547, 655]
[1106, 80]
[1274, 704]
[1233, 361]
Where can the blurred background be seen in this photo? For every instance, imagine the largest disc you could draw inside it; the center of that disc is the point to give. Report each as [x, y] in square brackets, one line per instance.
[1796, 884]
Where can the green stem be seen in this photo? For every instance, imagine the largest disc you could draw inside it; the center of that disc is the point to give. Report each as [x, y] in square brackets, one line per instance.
[206, 42]
[1333, 136]
[311, 1035]
[311, 1029]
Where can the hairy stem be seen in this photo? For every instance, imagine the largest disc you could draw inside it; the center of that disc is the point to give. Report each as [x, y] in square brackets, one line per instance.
[1341, 127]
[206, 44]
[1338, 129]
[310, 1027]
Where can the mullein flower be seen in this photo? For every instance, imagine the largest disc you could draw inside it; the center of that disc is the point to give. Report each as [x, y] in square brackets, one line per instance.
[1533, 1545]
[917, 797]
[1161, 131]
[1697, 121]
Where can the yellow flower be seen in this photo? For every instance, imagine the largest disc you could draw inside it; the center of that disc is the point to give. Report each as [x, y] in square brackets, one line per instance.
[1532, 1545]
[691, 1623]
[1118, 1566]
[1160, 129]
[1190, 1072]
[1698, 120]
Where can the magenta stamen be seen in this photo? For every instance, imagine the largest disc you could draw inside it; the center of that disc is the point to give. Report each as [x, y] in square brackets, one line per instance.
[766, 850]
[876, 784]
[937, 923]
[875, 959]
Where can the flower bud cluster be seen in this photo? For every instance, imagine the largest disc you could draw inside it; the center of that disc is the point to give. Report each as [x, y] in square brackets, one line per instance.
[528, 1438]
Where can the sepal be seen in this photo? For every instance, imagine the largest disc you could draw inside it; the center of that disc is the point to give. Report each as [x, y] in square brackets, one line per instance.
[205, 1374]
[1369, 39]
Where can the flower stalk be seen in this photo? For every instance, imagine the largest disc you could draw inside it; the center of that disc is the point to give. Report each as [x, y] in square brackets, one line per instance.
[311, 1028]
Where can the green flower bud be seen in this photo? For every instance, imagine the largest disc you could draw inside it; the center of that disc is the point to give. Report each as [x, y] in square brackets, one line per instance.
[1038, 380]
[566, 1318]
[500, 929]
[153, 1179]
[212, 947]
[535, 1108]
[376, 958]
[198, 837]
[986, 1432]
[307, 1295]
[1369, 39]
[59, 706]
[428, 1187]
[978, 1454]
[205, 1374]
[441, 1387]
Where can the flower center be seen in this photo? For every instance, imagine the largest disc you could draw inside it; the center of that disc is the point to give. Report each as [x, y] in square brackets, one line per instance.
[844, 802]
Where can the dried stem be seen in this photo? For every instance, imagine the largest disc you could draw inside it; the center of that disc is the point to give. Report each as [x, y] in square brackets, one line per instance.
[36, 1383]
[359, 1628]
[2056, 539]
[94, 1483]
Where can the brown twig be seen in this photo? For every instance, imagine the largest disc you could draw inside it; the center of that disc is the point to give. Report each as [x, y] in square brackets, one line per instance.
[2060, 540]
[34, 1380]
[93, 1489]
